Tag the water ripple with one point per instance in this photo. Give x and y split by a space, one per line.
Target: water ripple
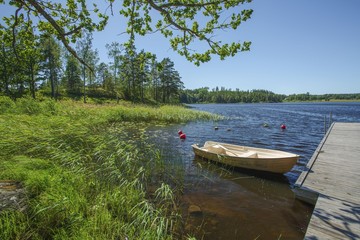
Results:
240 198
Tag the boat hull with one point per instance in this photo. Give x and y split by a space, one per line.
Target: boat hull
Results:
265 160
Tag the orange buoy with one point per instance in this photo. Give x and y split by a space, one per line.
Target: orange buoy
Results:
283 126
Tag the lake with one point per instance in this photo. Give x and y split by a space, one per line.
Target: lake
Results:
237 204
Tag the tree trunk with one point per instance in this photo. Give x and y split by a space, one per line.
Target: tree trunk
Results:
84 75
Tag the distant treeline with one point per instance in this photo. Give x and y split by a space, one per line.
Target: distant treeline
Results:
323 97
223 95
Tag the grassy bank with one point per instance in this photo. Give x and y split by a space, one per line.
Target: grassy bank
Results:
81 180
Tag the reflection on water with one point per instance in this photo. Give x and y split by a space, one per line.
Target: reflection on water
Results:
220 203
239 205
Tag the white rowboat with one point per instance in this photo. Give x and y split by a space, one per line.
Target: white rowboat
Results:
260 159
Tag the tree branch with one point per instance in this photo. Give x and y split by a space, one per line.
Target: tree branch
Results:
184 29
60 31
13 31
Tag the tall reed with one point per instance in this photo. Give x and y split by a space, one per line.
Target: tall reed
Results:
82 180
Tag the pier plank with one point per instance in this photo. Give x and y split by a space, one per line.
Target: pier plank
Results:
333 174
334 219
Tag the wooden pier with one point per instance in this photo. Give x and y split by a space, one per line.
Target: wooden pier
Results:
332 183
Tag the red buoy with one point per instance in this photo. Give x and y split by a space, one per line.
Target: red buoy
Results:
180 132
283 126
182 136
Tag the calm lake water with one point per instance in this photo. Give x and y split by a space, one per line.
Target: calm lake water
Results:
239 204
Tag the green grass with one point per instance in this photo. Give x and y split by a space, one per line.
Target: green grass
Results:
84 177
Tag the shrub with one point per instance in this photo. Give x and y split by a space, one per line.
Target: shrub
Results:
6 104
28 106
50 107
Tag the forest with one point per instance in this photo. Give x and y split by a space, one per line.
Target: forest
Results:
39 64
54 56
34 62
223 95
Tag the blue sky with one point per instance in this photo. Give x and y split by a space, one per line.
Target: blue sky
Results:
297 47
